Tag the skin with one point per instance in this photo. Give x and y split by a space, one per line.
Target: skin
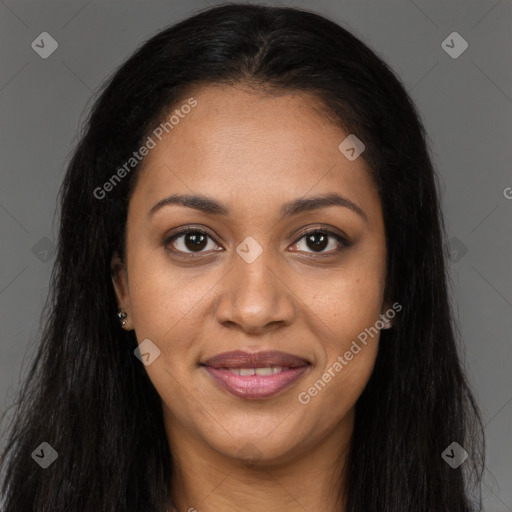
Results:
253 152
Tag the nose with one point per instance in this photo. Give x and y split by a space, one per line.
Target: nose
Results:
255 297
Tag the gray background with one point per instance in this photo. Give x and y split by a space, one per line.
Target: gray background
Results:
466 105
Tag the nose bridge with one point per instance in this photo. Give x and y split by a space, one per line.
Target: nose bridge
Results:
253 295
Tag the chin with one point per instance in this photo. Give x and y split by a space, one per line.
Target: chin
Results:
257 448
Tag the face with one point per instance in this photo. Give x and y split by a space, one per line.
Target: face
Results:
250 274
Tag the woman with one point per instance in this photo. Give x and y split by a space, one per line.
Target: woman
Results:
249 306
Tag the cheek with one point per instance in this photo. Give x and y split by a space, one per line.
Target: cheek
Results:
347 300
346 317
336 390
345 309
162 296
350 316
166 305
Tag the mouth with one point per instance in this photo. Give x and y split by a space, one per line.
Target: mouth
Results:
255 375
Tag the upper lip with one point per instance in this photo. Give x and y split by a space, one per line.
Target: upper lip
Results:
241 359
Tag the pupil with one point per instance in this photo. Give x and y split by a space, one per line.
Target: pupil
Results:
321 244
198 241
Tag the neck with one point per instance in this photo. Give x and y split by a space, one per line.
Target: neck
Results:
205 480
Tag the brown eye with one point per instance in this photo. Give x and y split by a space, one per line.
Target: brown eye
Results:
189 241
318 240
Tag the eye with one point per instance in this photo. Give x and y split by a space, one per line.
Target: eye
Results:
193 240
189 241
319 239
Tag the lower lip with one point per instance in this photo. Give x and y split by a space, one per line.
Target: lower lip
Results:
255 386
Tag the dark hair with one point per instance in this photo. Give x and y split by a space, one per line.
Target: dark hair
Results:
86 393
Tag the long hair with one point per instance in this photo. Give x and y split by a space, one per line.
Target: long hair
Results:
86 394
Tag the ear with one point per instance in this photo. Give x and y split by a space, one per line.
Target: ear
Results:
120 282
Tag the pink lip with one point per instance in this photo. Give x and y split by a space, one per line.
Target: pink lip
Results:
255 386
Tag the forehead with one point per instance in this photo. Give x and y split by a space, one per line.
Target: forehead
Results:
240 144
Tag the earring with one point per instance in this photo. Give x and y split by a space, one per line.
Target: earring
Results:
121 315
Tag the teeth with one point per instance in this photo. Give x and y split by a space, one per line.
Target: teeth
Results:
263 371
257 371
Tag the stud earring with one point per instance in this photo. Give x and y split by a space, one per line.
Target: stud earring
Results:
121 315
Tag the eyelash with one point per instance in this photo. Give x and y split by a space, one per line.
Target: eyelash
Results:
185 231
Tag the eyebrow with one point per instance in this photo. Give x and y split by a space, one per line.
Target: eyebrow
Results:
211 206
